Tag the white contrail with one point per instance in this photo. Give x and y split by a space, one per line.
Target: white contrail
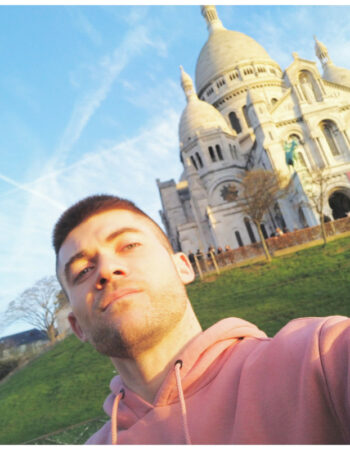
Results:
31 191
132 44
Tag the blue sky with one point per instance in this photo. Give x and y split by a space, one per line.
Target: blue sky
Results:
90 102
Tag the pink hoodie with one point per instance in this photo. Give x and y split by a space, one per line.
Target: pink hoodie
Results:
241 387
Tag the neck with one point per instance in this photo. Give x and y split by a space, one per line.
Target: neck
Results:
146 372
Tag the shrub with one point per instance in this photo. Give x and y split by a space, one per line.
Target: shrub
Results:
7 366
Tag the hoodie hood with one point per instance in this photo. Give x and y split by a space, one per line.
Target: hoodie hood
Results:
209 348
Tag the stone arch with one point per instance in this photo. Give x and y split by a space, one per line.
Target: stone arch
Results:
250 231
238 237
309 86
333 136
302 218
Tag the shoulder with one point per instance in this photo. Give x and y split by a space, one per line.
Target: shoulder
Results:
101 436
304 341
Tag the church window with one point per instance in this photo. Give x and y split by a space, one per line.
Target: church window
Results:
212 154
220 83
246 116
332 134
270 134
250 231
194 162
302 217
239 239
273 71
218 152
273 101
199 159
235 123
233 151
233 75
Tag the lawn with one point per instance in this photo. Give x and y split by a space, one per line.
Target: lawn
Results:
68 384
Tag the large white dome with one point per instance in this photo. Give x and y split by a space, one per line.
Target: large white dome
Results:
223 50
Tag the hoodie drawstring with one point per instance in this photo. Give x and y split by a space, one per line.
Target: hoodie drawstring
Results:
114 424
178 366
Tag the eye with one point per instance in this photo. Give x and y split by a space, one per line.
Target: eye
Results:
82 273
131 246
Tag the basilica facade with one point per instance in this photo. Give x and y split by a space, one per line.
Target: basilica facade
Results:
240 116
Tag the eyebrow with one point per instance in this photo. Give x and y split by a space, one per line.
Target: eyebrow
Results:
117 233
84 254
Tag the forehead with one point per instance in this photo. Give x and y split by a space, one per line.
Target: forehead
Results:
98 227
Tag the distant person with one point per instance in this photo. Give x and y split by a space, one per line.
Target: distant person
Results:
191 257
199 254
279 232
229 256
219 250
229 384
211 250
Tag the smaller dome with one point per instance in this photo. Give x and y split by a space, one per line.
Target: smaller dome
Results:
331 72
198 114
337 75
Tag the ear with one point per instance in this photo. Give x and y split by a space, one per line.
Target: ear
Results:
184 268
76 327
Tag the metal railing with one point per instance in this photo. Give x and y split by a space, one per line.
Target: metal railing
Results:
212 262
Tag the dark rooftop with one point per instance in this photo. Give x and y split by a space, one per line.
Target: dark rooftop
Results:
25 337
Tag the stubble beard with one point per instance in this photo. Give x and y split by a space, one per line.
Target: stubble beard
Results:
167 310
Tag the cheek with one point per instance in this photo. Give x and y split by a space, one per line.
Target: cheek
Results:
81 302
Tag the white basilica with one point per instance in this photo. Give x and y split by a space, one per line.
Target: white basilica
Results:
242 111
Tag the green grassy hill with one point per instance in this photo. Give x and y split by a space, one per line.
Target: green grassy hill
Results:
68 384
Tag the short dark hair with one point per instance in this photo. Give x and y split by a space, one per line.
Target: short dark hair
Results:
91 206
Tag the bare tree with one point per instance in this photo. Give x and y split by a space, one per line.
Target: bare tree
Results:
315 187
36 306
260 190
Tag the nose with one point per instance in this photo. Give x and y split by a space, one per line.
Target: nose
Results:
110 268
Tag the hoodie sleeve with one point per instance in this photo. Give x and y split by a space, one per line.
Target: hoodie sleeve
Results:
334 347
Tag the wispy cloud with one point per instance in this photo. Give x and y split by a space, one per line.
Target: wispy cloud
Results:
108 68
30 191
85 26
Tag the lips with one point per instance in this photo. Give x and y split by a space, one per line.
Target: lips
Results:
115 296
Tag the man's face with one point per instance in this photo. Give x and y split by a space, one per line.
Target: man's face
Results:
126 289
